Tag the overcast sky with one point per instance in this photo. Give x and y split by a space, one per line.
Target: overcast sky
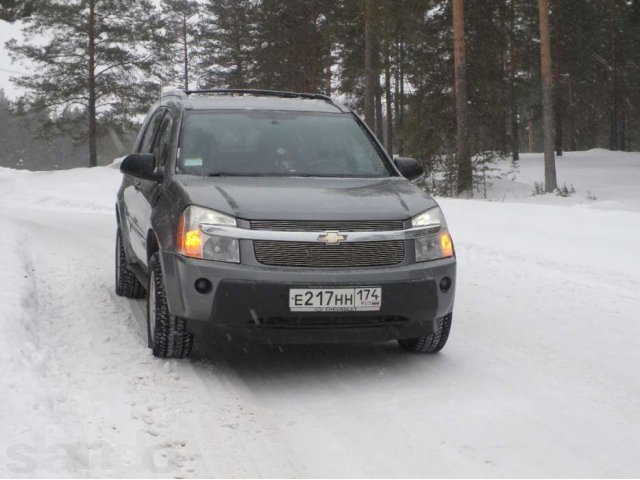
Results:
8 31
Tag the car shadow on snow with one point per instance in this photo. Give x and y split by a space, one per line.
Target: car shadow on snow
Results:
300 367
220 353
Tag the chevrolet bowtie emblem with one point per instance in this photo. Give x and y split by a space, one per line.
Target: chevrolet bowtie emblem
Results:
332 238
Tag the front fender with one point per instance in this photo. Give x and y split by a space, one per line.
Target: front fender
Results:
164 223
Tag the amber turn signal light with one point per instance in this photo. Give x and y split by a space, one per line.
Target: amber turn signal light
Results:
190 241
446 244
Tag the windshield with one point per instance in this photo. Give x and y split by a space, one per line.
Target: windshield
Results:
276 143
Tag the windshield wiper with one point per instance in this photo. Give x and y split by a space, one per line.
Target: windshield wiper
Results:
231 174
224 174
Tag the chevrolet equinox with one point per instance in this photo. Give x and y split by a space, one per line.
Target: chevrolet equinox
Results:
279 216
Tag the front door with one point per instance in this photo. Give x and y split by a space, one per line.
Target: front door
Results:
137 191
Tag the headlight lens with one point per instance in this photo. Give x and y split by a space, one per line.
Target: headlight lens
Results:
436 246
194 243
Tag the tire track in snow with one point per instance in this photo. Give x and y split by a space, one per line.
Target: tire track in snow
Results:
98 365
126 411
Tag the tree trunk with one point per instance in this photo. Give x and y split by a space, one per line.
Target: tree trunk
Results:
379 116
504 90
463 157
369 72
400 129
396 106
614 104
513 94
93 129
550 181
623 127
314 56
388 99
559 144
185 52
303 55
573 142
557 77
327 78
239 74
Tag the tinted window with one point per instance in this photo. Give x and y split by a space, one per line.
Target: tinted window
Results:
277 143
149 134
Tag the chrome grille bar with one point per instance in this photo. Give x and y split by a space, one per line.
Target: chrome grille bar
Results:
316 237
324 225
325 244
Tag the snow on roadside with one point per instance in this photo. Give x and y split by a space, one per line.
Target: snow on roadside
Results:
27 410
79 189
602 179
579 238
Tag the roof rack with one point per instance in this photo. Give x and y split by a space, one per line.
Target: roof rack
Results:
268 93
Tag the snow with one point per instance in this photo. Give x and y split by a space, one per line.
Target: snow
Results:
612 178
76 190
540 376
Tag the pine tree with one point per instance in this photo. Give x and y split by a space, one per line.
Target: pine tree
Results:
12 10
92 60
292 44
227 43
348 41
424 116
176 42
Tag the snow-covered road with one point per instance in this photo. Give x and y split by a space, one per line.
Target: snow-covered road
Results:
541 376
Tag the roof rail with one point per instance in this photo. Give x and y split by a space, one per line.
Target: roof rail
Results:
173 92
268 93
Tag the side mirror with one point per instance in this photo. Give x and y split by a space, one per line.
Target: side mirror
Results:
410 168
141 165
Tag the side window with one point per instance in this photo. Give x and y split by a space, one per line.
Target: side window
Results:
150 132
162 144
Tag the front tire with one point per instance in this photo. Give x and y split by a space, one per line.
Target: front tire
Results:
432 343
168 335
127 285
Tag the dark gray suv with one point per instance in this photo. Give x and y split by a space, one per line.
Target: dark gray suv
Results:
278 216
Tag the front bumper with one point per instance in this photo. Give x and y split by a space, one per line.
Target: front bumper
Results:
253 300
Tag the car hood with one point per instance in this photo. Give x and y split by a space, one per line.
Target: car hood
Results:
300 198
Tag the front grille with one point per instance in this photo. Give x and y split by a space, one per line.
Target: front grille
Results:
311 254
319 255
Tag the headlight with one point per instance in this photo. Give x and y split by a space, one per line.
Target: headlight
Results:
438 245
194 243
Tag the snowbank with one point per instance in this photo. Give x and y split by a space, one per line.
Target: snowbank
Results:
602 179
28 402
79 189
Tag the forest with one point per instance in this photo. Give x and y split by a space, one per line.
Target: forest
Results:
105 61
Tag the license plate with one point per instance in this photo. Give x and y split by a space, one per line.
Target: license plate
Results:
356 299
